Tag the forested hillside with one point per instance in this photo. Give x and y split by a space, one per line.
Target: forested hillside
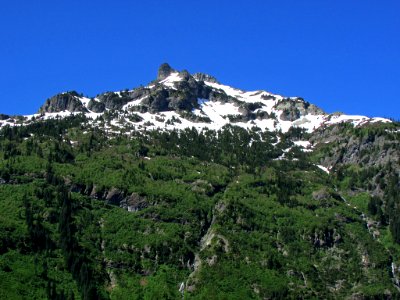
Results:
93 213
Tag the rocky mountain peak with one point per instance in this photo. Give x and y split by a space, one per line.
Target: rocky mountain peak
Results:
164 71
179 99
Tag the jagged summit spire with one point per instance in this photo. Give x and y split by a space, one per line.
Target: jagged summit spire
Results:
164 71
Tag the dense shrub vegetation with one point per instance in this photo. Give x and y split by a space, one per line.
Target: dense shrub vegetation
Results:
233 214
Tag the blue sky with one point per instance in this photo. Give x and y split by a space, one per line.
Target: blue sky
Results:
341 55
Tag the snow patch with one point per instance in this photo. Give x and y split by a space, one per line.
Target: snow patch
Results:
323 168
133 103
171 79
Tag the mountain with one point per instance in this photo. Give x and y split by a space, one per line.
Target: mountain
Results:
190 188
180 100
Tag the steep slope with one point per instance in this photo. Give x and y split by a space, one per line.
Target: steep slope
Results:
94 214
188 186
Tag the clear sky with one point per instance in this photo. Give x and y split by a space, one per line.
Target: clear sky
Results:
342 55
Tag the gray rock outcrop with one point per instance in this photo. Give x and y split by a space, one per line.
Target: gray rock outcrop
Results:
96 106
114 100
134 202
164 71
63 102
205 77
295 108
114 196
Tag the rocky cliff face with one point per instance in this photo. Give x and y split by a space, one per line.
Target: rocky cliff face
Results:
293 109
63 102
369 149
164 71
96 106
371 153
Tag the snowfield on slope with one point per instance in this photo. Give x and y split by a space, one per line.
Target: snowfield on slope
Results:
219 113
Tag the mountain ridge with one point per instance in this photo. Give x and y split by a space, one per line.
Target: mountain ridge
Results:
178 99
